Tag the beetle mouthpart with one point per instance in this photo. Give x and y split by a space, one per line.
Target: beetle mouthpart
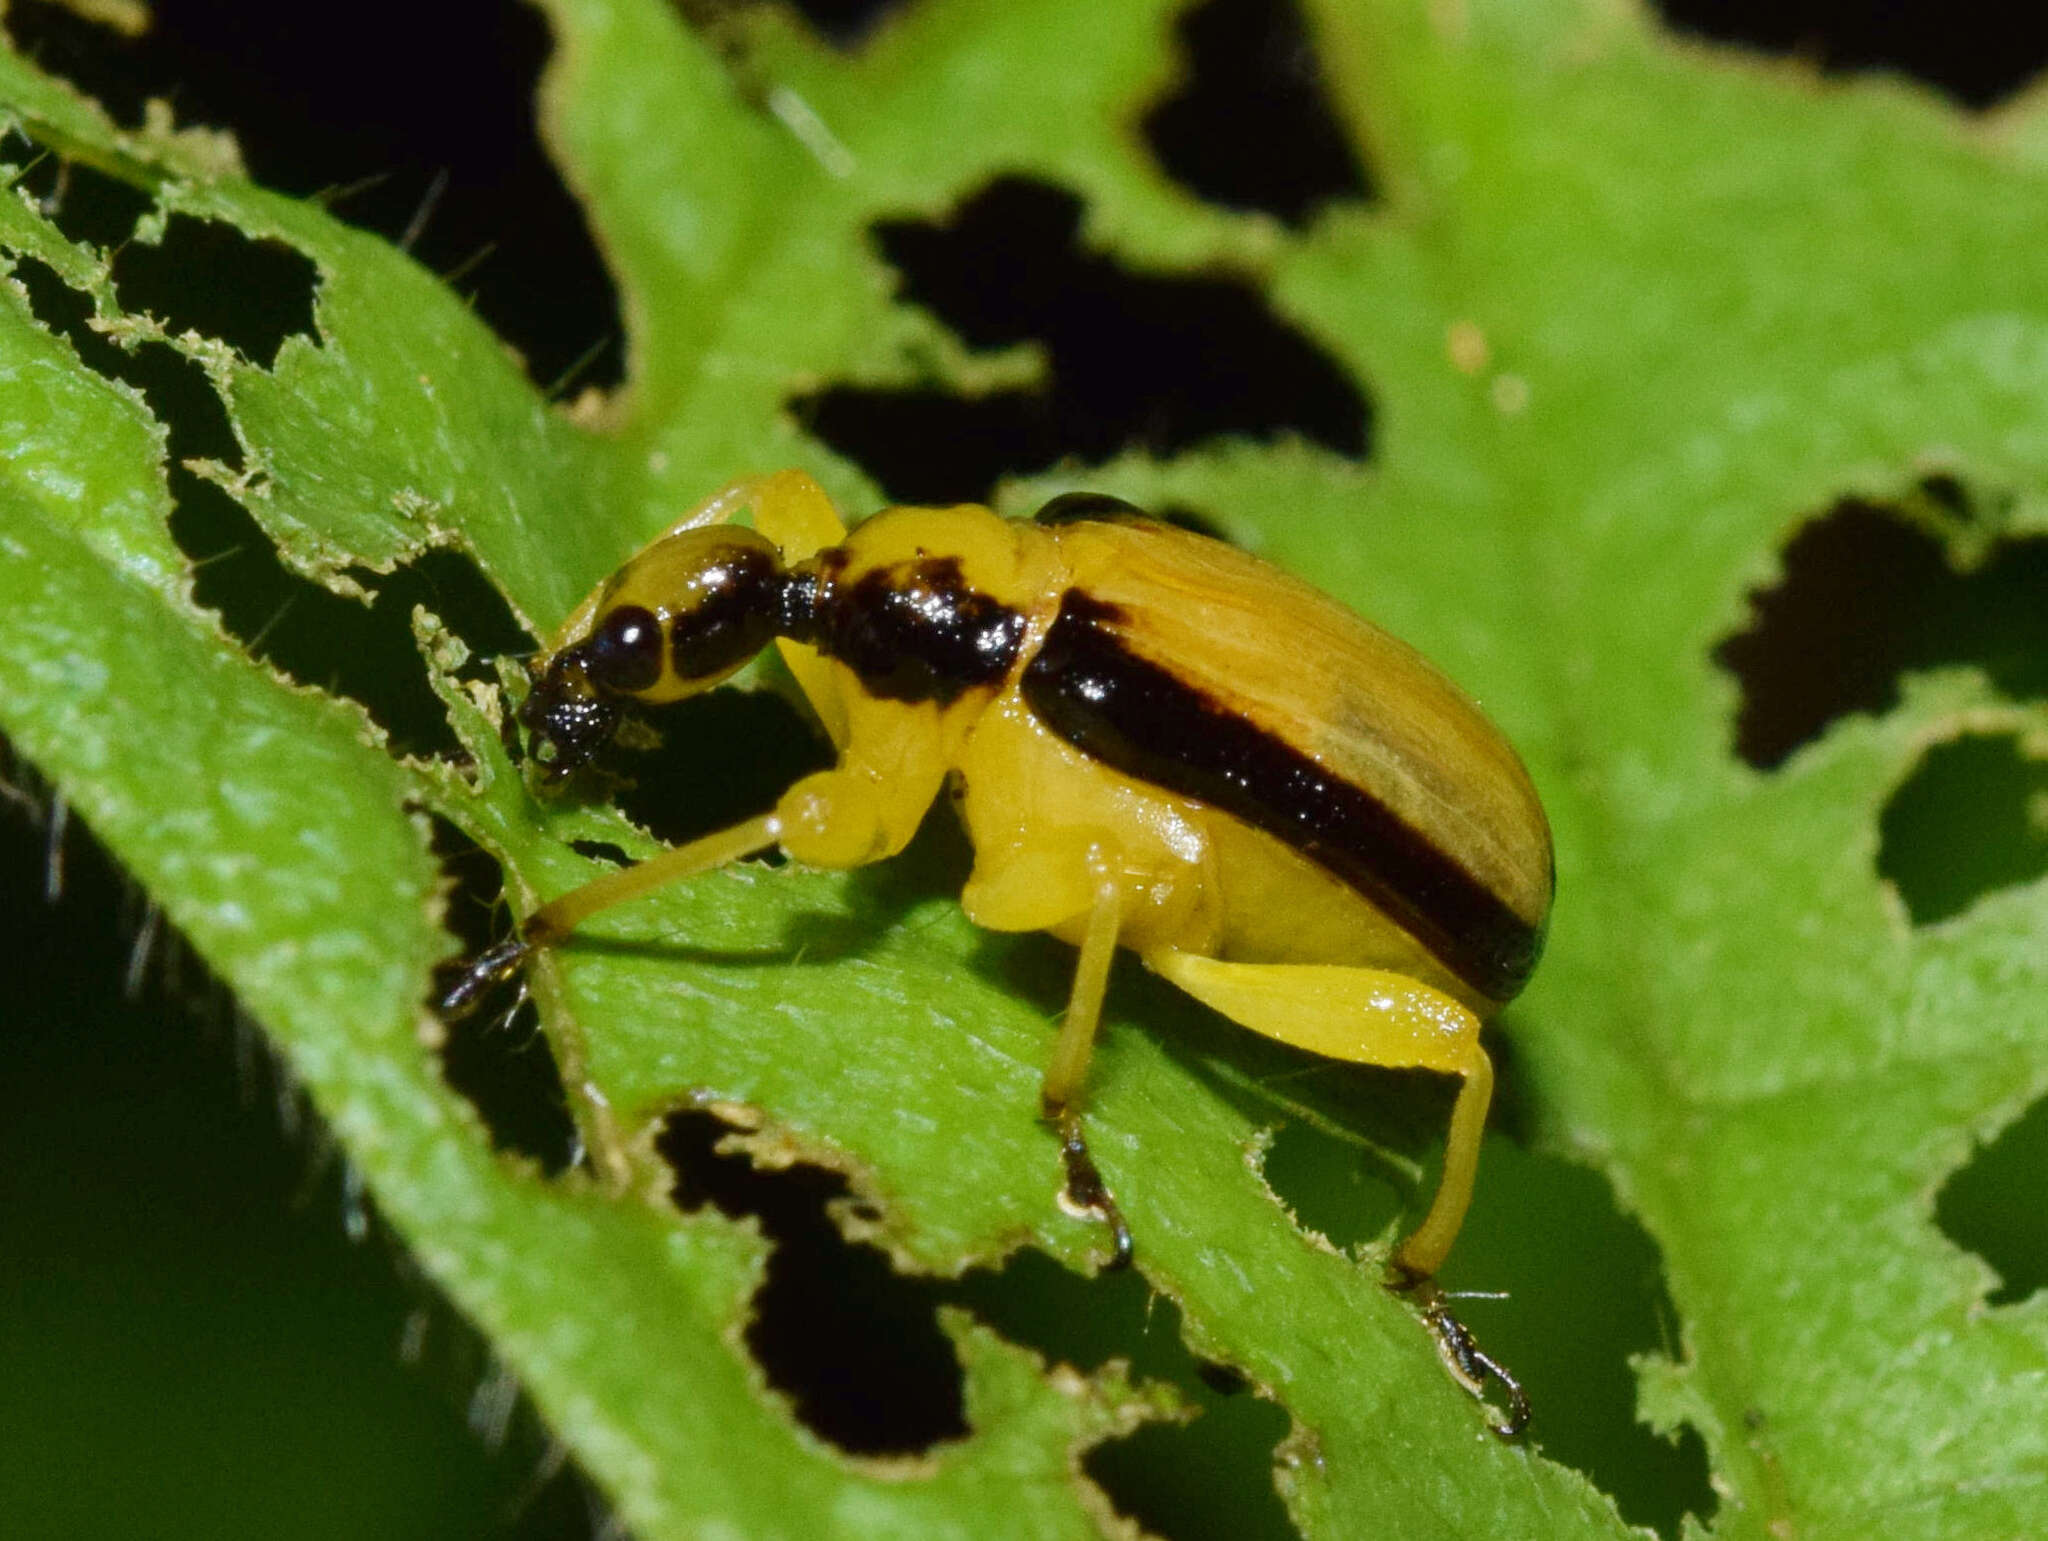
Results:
568 717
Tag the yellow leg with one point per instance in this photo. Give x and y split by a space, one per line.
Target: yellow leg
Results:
1069 1066
556 919
1369 1017
868 807
793 511
1085 1192
789 508
836 818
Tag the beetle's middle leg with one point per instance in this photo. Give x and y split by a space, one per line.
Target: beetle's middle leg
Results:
1068 1070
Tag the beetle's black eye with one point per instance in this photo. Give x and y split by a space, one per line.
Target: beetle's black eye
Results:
624 654
733 603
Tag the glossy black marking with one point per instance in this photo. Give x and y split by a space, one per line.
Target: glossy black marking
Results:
1137 717
624 653
568 718
1085 507
914 631
729 612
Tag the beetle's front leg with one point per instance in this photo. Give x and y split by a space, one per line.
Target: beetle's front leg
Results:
857 813
866 808
558 917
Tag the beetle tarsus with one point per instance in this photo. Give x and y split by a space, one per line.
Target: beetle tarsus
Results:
1086 1193
485 973
1470 1365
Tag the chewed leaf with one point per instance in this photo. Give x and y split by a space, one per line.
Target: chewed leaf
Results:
1687 414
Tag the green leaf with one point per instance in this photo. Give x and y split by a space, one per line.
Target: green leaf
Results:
1628 315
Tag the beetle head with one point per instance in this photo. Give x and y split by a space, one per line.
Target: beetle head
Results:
677 619
573 710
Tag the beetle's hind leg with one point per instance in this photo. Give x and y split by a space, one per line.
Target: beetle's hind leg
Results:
1374 1017
1369 1017
1085 1192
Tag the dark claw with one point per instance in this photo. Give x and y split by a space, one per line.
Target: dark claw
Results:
1088 1193
1470 1364
485 972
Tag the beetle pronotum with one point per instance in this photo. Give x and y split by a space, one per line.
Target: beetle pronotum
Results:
1155 741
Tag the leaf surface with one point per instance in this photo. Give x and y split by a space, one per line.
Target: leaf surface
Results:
1626 315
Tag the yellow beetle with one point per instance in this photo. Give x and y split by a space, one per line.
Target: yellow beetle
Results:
1155 742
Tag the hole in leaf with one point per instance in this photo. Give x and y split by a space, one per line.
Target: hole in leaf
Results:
1152 361
320 638
846 24
87 206
175 388
418 124
330 641
1978 51
1251 126
499 1060
857 1348
1330 1186
852 1344
1212 1476
206 276
601 850
1868 593
1585 1287
1992 1206
1971 819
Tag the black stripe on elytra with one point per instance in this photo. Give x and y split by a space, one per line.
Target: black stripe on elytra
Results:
912 631
1138 718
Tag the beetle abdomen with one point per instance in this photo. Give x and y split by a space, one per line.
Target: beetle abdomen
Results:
1207 673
